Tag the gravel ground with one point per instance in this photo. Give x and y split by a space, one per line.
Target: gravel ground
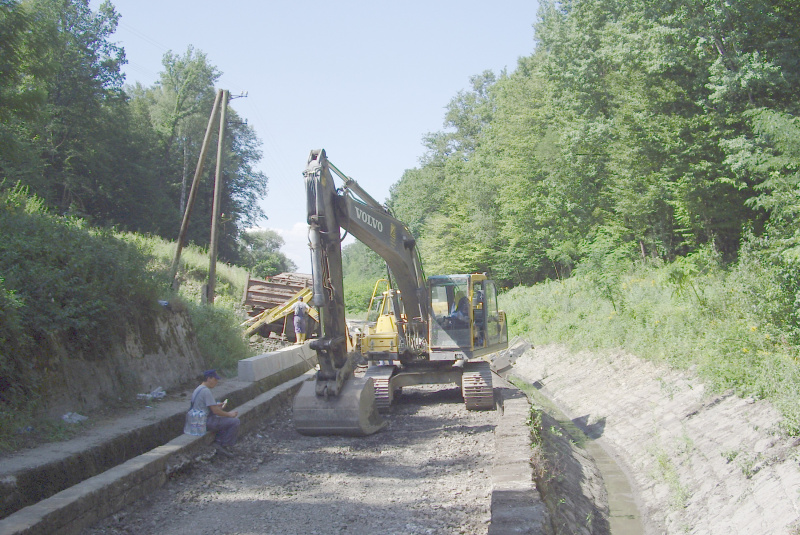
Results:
428 472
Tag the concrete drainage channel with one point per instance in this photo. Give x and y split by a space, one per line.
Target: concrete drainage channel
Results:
91 491
587 491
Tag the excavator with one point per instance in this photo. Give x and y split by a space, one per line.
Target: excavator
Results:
438 330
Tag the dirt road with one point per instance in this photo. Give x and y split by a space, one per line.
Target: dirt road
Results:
428 472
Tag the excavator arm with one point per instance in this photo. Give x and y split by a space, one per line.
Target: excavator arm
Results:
445 347
339 403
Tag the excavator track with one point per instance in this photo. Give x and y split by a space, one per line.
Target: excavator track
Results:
381 375
476 386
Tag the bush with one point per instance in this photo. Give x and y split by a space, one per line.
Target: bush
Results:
62 283
219 336
733 325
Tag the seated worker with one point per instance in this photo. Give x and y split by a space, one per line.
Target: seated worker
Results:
460 315
226 424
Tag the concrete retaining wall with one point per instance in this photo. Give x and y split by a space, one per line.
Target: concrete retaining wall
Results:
517 506
269 364
80 506
49 497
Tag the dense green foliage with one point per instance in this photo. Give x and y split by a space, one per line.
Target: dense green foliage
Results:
362 269
649 128
729 325
259 253
217 328
62 282
643 165
114 155
66 286
83 157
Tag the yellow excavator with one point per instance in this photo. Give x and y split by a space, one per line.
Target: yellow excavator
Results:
439 330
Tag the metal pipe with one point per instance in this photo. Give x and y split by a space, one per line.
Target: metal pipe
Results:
318 299
349 183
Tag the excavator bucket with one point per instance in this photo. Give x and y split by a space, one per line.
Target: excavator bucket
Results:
353 412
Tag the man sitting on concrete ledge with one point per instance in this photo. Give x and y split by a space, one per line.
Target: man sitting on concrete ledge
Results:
226 424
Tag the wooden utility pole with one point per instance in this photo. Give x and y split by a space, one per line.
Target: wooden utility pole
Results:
218 185
193 193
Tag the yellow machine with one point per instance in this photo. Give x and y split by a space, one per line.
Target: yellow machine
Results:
437 330
381 334
474 330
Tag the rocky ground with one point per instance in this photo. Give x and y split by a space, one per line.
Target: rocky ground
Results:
428 472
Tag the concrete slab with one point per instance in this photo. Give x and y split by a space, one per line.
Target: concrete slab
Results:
261 366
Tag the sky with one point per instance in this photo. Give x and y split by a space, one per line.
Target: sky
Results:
364 80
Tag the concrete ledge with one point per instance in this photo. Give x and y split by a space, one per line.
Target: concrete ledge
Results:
262 366
28 480
80 506
516 506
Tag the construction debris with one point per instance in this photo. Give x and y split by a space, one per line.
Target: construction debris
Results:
270 303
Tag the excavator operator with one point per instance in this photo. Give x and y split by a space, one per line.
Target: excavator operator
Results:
460 314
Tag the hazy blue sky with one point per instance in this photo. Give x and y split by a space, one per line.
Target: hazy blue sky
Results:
365 80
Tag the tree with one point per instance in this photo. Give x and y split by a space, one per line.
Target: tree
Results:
113 156
66 74
362 268
21 94
774 153
181 102
85 80
259 252
178 109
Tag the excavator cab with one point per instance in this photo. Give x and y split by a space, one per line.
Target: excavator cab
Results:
465 320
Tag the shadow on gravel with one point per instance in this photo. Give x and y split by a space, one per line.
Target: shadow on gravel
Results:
414 398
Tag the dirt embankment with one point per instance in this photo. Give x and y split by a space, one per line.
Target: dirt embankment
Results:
699 463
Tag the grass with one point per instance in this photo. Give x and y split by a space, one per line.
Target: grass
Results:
731 325
64 284
219 336
665 471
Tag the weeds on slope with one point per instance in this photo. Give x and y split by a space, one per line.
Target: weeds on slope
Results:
64 284
735 326
219 336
